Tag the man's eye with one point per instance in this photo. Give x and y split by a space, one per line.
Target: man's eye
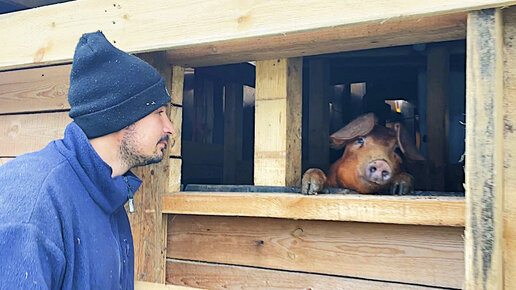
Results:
360 141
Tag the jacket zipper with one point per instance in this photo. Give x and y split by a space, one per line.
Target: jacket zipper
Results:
130 195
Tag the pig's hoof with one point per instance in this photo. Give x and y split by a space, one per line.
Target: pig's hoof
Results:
402 184
313 181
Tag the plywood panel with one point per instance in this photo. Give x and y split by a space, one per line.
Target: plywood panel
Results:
449 211
416 254
37 89
176 116
52 33
484 168
211 276
21 134
277 143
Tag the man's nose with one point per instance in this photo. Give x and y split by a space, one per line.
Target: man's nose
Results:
168 127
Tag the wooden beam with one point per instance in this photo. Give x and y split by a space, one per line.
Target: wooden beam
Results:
233 117
216 276
148 225
23 133
32 90
484 151
277 155
509 183
423 255
203 106
283 29
319 114
438 75
411 210
141 285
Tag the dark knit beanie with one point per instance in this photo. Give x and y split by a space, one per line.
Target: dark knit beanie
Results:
110 89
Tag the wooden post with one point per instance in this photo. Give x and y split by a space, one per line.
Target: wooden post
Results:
509 118
233 119
277 154
203 106
484 151
438 72
148 224
319 114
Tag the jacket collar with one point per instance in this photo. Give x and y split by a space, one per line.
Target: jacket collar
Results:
95 174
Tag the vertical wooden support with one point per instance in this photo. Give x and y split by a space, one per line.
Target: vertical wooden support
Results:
319 114
484 151
233 120
218 112
147 223
203 106
509 118
438 74
277 154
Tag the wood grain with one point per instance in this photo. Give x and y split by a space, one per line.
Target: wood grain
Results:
51 35
141 285
484 151
277 152
212 276
233 116
415 254
21 134
509 119
37 89
448 211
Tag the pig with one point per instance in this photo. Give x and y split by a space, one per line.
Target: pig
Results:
372 160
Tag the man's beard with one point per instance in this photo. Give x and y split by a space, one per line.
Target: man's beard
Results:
130 155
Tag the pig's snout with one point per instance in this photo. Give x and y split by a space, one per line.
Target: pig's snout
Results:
378 171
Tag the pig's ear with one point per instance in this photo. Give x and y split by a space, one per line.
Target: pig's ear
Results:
361 126
406 145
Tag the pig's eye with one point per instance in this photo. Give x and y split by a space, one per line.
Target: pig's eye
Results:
360 141
398 151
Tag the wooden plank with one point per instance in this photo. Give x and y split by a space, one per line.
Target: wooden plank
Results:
178 80
211 276
38 89
141 285
448 211
203 106
319 114
438 75
56 29
176 116
147 223
21 134
174 177
278 99
509 183
199 153
233 117
484 151
424 255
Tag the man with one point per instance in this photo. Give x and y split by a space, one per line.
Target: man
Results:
62 219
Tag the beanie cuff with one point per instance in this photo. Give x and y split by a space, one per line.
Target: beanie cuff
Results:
115 118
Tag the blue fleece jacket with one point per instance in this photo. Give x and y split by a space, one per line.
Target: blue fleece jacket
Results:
62 219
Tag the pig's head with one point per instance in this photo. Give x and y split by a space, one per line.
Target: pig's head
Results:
373 154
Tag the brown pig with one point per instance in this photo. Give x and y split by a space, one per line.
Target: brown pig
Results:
371 162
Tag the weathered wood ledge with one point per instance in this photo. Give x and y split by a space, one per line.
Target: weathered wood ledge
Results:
414 210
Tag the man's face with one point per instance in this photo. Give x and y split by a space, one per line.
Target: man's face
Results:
145 141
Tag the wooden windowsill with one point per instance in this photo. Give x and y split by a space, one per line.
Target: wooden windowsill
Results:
414 210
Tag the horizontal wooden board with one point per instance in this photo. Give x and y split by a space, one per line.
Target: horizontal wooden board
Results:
211 276
53 31
38 89
141 285
21 134
424 255
421 210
